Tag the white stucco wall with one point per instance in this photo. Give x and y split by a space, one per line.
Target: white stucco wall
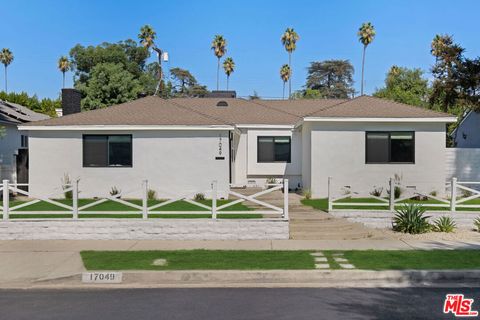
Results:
338 151
468 132
246 167
173 162
463 164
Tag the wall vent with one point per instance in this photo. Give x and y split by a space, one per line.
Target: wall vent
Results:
222 103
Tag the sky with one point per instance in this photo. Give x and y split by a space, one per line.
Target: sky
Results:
39 32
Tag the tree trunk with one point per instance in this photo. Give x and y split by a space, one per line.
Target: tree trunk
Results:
290 78
158 90
63 79
283 92
363 68
6 88
228 79
218 69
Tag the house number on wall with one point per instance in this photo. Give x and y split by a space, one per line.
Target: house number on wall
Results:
220 157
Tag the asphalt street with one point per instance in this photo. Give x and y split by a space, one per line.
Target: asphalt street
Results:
229 304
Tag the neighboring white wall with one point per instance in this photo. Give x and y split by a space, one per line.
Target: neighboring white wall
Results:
338 151
306 155
248 169
468 132
174 162
9 144
463 163
134 229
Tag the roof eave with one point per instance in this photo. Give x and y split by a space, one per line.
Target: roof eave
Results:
380 119
122 127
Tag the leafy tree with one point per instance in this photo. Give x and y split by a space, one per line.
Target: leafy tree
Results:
468 75
406 86
331 78
285 73
184 84
6 58
147 38
229 67
307 94
448 60
289 41
46 106
366 34
219 47
109 84
63 66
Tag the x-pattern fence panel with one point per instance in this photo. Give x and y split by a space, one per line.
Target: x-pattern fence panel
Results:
144 206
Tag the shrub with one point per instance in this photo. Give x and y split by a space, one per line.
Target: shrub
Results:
444 224
151 194
115 191
307 194
434 193
410 219
199 197
377 192
67 183
476 223
397 190
270 180
466 193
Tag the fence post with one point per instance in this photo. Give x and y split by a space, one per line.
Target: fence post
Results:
214 199
145 199
329 194
391 202
453 195
285 199
6 200
75 199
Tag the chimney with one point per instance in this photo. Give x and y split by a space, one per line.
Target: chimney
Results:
221 94
71 99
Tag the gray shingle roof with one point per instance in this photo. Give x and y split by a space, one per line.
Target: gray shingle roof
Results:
15 113
204 111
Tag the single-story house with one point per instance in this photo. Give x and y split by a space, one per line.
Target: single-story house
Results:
14 144
467 133
181 145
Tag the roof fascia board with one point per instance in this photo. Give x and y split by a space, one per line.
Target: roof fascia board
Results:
351 119
265 126
122 127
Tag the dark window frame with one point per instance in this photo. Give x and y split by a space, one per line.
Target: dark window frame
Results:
275 161
108 150
389 147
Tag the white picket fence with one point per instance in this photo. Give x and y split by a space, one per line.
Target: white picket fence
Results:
452 202
271 211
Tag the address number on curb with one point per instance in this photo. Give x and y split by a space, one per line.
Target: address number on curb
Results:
102 277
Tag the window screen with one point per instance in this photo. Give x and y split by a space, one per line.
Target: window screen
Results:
105 150
390 147
273 149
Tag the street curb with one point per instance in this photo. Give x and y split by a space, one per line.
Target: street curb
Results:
272 278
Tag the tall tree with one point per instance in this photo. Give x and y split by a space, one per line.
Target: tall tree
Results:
63 66
406 86
219 47
448 61
147 38
332 78
285 73
289 41
185 85
229 67
6 57
366 34
468 76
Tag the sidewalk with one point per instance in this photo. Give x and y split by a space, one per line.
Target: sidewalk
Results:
23 262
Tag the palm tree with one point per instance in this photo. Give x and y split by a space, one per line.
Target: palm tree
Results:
229 67
285 73
6 57
147 38
289 41
219 47
63 66
366 33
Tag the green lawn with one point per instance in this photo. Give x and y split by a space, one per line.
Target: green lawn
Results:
115 206
198 260
414 259
322 204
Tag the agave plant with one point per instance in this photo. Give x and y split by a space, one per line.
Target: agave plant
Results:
411 219
444 224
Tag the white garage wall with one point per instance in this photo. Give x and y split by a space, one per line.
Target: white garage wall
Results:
338 150
174 162
463 163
